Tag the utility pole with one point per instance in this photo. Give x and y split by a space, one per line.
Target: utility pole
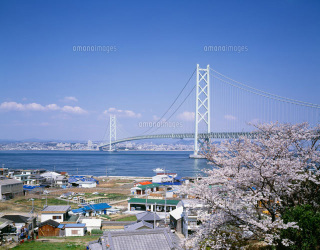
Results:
154 216
146 199
32 210
165 206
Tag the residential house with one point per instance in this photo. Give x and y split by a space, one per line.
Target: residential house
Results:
50 178
87 184
9 188
75 229
28 171
22 177
113 211
35 179
6 227
61 181
83 181
143 189
4 171
158 205
92 210
142 183
21 222
92 224
50 175
56 213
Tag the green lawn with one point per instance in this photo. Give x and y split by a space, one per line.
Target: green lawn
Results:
36 245
77 242
112 196
128 218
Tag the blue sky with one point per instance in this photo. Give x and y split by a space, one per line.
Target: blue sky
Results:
157 46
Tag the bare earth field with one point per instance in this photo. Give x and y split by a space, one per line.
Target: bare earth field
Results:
113 189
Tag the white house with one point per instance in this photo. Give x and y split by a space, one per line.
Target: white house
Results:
92 224
161 178
22 177
75 229
56 213
61 181
50 175
87 184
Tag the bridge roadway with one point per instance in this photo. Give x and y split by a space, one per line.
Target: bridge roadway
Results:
214 135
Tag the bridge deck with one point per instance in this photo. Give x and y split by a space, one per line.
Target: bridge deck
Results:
214 135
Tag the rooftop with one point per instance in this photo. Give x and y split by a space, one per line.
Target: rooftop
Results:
78 225
93 207
147 216
55 209
153 201
16 218
144 187
177 213
144 239
51 223
137 225
9 181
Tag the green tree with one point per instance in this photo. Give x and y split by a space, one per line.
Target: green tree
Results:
308 234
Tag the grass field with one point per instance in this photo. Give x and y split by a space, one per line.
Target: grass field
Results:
36 245
39 203
58 243
128 218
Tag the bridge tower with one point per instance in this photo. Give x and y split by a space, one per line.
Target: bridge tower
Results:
202 114
113 132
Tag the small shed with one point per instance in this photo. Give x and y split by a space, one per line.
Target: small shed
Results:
176 219
75 229
49 228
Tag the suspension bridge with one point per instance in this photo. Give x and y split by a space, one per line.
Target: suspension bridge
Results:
231 106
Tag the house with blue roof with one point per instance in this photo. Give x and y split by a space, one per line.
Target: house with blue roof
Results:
92 209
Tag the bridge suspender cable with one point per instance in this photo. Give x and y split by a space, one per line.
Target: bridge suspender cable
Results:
270 97
173 102
263 93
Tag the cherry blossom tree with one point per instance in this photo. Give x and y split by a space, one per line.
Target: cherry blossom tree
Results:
251 182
